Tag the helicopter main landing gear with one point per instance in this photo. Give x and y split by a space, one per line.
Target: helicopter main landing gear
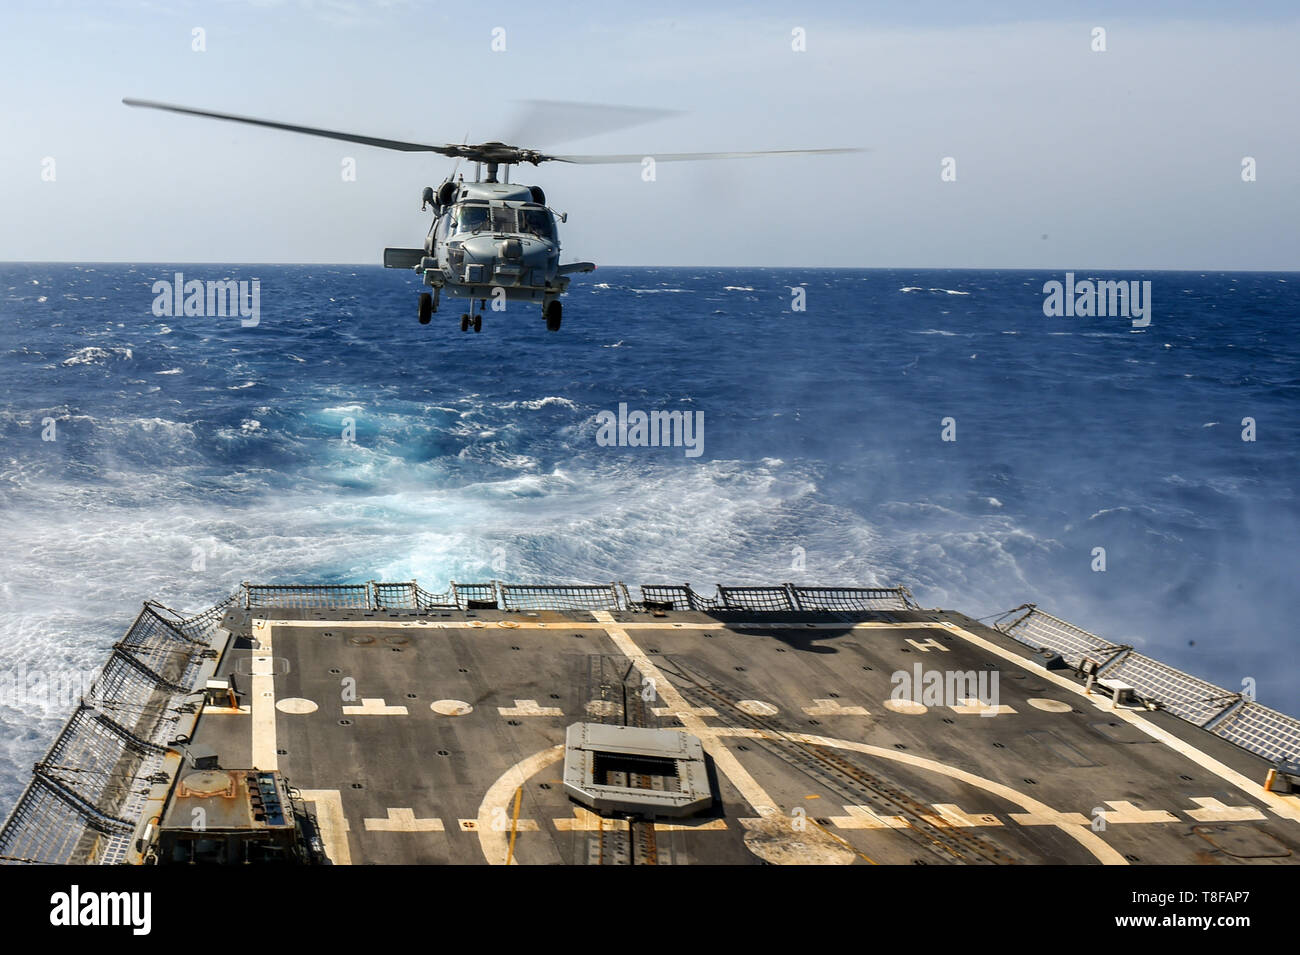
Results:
554 312
426 308
472 320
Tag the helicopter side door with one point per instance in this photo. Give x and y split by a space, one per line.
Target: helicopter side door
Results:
440 232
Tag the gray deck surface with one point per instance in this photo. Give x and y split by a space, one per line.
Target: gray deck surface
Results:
419 786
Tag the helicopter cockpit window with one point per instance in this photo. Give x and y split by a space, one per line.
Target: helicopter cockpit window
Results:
478 217
472 218
536 222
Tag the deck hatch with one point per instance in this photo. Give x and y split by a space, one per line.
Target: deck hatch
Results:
631 769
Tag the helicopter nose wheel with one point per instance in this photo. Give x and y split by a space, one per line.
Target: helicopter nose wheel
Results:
554 314
464 323
478 323
426 308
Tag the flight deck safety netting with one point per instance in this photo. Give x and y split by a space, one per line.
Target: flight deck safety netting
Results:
676 597
1230 715
468 596
403 596
779 598
88 790
1261 730
309 596
1042 630
408 595
561 597
853 599
762 599
1182 694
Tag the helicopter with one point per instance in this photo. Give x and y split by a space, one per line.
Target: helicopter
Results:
490 238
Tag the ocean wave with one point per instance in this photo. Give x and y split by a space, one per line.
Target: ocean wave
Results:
536 404
169 429
94 355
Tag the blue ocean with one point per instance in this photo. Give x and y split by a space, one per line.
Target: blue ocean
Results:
172 457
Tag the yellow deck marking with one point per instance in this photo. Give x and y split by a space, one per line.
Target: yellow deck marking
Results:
1286 806
529 708
331 823
905 707
713 825
949 815
973 707
690 710
586 625
403 820
514 825
928 644
844 842
1123 811
451 707
1212 810
584 820
1050 817
373 707
723 758
296 705
522 825
864 817
493 841
1050 706
262 701
834 708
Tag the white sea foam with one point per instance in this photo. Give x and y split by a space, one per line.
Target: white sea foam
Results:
536 404
93 355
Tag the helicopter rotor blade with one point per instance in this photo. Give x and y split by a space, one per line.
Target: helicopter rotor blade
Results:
456 165
690 157
395 144
548 122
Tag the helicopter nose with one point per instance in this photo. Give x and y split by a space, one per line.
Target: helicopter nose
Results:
523 250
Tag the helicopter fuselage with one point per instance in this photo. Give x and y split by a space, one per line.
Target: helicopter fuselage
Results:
490 242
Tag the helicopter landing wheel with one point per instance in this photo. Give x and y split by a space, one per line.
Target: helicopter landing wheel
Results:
464 323
478 323
554 315
426 308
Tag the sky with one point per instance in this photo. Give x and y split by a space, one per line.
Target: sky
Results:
1064 157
